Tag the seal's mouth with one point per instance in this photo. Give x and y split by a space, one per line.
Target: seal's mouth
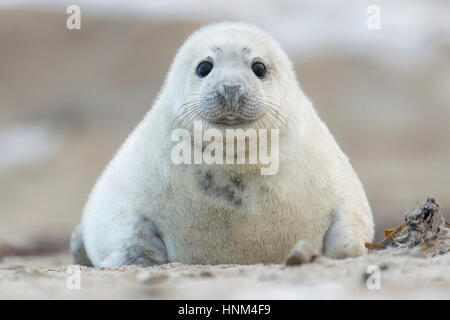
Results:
230 119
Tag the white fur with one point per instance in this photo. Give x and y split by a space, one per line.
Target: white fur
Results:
315 195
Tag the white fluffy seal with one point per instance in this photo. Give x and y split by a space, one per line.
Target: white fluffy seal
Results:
146 210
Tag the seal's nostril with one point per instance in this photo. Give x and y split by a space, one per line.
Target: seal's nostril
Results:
231 88
231 93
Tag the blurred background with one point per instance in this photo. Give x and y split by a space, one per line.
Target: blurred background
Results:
69 98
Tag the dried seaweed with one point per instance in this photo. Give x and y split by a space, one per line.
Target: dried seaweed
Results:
424 230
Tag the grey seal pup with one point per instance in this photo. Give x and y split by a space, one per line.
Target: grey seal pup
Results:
147 210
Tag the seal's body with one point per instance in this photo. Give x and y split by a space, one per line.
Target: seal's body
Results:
147 210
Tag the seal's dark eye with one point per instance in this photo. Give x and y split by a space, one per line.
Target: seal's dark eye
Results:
204 68
259 69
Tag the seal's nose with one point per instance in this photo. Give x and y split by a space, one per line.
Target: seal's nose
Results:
231 93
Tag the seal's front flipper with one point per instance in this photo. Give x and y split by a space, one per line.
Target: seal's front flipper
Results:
77 248
144 248
302 253
346 235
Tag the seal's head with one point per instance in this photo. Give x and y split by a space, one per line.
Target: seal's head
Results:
230 74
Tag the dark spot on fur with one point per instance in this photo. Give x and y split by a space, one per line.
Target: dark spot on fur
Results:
207 182
144 235
228 192
237 182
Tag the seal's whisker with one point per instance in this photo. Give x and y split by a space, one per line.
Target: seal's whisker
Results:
275 121
182 117
272 104
190 106
182 122
259 123
267 96
192 119
189 103
266 118
268 101
187 119
265 123
187 109
271 109
275 110
273 113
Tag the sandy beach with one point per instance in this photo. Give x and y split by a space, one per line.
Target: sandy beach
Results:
402 277
70 98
